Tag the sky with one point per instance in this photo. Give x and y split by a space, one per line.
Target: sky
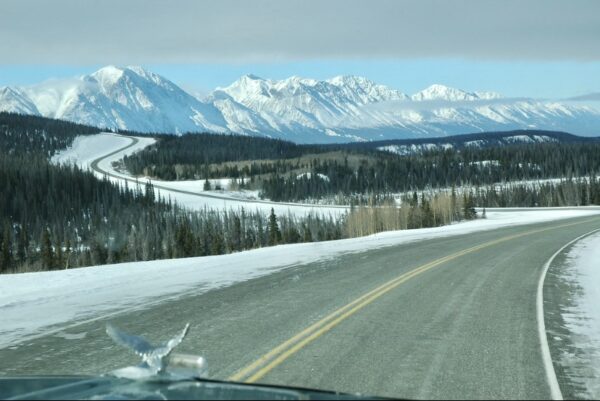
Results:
534 48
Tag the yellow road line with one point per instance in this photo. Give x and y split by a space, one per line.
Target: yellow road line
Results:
263 365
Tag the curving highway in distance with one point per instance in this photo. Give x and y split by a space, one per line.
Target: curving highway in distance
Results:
96 166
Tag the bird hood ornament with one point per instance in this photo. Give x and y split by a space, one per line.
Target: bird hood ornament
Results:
155 359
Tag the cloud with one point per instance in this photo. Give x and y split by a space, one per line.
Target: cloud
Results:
595 97
428 105
243 31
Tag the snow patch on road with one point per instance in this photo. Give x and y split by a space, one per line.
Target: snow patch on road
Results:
33 304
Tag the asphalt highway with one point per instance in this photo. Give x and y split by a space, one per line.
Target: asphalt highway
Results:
444 318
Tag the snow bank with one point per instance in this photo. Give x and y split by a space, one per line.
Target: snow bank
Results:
34 304
86 149
583 319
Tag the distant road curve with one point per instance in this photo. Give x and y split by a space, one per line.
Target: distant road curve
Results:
95 165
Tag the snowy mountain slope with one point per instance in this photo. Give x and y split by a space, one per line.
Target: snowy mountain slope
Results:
297 102
479 141
341 109
442 92
126 98
353 108
15 101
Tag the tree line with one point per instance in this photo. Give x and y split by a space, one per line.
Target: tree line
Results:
437 169
275 166
25 134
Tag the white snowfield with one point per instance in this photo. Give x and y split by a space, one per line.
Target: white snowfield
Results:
35 304
583 318
86 149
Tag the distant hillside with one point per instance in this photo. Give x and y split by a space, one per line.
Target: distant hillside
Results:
478 140
33 134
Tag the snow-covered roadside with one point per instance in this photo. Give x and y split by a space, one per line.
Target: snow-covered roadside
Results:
86 149
38 303
583 317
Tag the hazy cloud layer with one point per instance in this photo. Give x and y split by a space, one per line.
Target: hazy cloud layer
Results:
149 31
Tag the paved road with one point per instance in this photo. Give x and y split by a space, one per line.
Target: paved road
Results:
95 165
444 318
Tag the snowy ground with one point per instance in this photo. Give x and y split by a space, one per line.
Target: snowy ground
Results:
583 317
34 304
86 149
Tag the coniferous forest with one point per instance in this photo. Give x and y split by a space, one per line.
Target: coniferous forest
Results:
57 217
283 171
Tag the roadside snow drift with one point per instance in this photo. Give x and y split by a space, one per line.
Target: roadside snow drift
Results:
583 318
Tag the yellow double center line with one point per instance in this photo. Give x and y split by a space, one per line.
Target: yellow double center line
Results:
263 365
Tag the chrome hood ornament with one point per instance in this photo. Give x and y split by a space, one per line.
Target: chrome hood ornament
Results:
156 359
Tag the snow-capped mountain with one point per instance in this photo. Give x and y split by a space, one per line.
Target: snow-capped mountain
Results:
15 101
340 109
126 98
296 104
441 92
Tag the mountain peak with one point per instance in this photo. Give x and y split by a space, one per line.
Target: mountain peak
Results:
443 92
15 101
110 73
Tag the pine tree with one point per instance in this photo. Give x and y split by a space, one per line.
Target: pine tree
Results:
274 232
47 251
59 261
236 235
426 213
307 235
217 244
207 186
22 245
149 191
469 212
6 261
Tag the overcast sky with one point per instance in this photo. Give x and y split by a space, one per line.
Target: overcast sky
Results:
79 33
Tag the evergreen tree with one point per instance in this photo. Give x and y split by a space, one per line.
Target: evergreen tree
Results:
217 244
274 232
426 213
236 235
469 212
47 251
6 262
307 235
22 245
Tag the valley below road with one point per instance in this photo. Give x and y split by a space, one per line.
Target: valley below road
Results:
455 316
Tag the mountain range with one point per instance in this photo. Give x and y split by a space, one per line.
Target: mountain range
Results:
341 109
